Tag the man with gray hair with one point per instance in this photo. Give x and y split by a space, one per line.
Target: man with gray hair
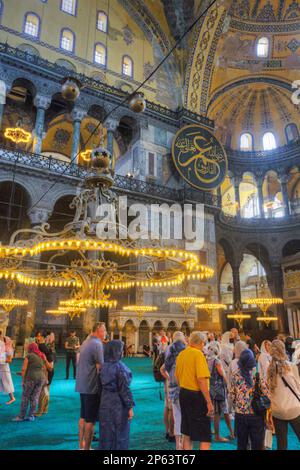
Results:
87 384
168 372
193 376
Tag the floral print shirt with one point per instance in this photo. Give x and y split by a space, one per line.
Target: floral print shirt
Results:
241 396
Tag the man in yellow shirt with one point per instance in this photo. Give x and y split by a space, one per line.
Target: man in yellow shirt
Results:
192 375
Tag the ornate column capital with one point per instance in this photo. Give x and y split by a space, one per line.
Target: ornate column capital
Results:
42 102
78 114
39 215
111 124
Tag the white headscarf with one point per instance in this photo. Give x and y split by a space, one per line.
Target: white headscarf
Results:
239 347
226 350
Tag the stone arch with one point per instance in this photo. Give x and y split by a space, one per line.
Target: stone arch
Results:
185 328
14 204
292 247
61 213
144 333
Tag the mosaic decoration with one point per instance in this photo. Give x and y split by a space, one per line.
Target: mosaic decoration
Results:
266 118
148 68
61 138
293 45
128 35
293 12
199 157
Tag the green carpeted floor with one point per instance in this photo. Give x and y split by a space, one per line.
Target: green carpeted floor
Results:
58 430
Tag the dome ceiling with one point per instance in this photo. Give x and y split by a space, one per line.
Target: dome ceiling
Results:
256 108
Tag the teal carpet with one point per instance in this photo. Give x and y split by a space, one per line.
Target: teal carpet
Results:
58 430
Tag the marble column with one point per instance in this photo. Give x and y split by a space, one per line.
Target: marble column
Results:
1 113
275 280
150 339
136 341
78 115
219 196
237 297
42 103
285 196
37 216
236 184
260 196
111 126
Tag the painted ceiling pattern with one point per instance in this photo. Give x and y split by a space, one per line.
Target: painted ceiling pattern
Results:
255 109
266 11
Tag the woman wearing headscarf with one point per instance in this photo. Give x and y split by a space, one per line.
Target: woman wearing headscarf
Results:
248 424
6 355
116 406
218 390
226 351
33 380
296 358
264 358
239 347
285 394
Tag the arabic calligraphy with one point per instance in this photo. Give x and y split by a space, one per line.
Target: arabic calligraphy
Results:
199 157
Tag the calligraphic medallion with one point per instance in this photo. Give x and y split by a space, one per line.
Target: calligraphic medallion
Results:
199 157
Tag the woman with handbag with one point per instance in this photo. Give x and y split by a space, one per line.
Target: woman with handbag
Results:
6 355
285 394
250 396
218 390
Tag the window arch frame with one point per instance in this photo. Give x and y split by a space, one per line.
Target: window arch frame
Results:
286 132
105 57
61 38
126 56
257 46
67 12
97 21
275 141
32 13
252 142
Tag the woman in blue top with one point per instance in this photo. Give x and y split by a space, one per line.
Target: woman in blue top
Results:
116 406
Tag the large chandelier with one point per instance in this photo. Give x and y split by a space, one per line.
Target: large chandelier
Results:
140 310
9 302
186 302
70 311
238 315
209 308
97 266
264 303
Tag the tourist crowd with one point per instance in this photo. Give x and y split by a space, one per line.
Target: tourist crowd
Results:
205 376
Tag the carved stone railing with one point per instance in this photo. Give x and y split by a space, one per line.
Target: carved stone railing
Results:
258 223
282 154
28 160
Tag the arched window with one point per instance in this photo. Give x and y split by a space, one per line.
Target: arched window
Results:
102 21
69 6
100 54
263 46
32 25
246 142
127 66
67 40
292 133
269 141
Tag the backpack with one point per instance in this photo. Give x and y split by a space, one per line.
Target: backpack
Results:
158 363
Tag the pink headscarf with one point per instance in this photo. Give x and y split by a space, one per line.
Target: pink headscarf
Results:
33 348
